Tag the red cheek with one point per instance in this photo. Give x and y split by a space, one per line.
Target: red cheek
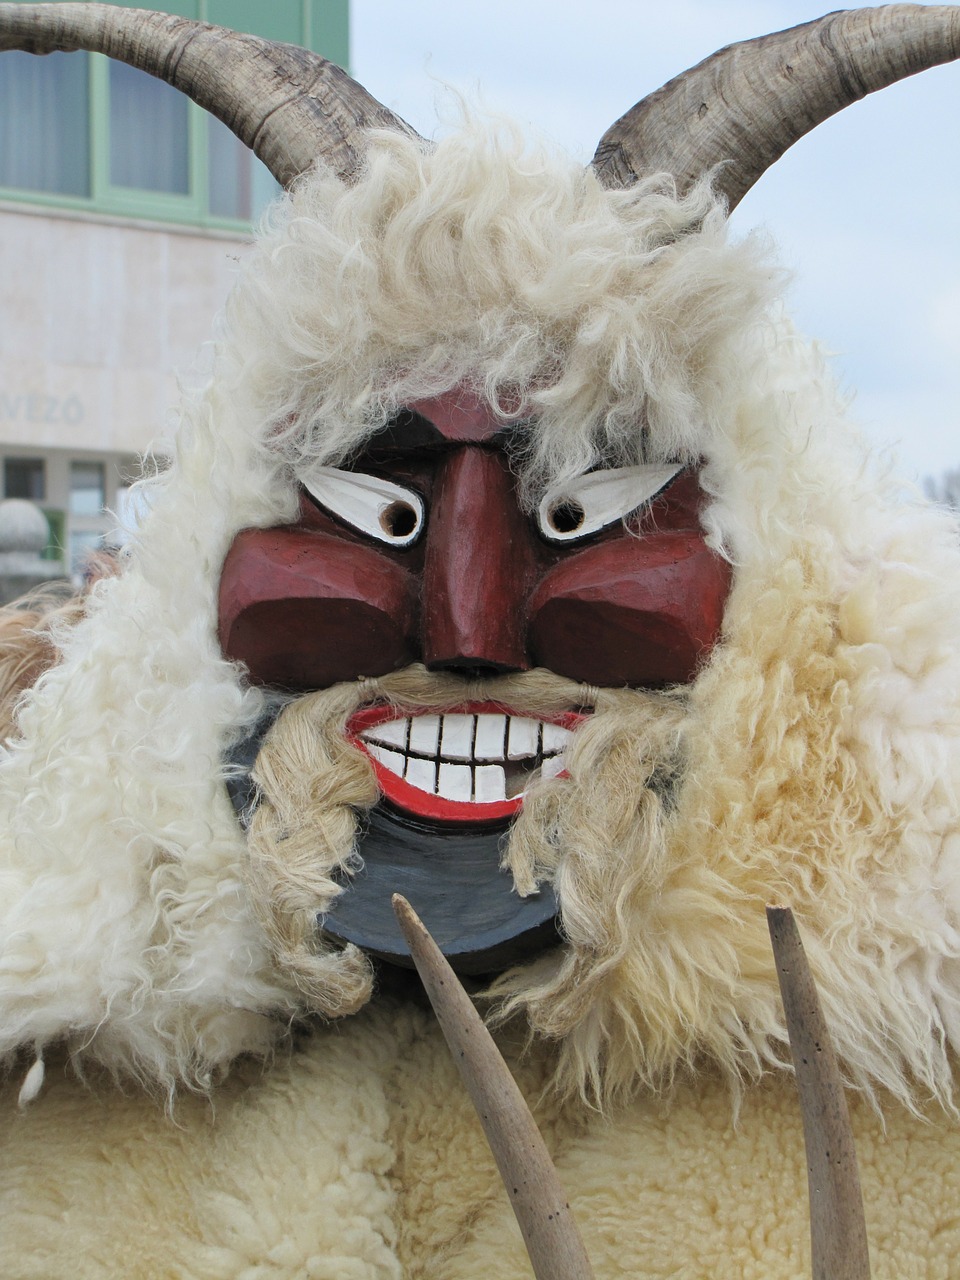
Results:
630 611
304 610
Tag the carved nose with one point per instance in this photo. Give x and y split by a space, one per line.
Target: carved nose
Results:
479 568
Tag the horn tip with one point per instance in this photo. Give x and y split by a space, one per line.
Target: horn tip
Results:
411 926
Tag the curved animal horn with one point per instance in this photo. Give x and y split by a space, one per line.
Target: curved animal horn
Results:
290 106
744 106
536 1196
838 1231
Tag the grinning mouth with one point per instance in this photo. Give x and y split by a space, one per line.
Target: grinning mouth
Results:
470 763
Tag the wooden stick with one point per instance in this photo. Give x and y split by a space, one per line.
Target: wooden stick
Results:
549 1231
838 1233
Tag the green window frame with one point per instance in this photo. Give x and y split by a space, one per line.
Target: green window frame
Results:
320 25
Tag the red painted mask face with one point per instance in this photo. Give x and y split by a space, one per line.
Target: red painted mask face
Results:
420 552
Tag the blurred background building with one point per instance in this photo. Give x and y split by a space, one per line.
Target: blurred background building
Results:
123 209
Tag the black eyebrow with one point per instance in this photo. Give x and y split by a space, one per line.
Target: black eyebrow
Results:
512 435
408 432
404 432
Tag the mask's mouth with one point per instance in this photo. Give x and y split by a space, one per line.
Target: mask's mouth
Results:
453 760
471 763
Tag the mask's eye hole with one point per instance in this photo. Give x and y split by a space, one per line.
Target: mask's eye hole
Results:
384 510
399 520
598 499
565 517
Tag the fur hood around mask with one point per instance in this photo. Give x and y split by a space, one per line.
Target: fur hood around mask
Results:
815 754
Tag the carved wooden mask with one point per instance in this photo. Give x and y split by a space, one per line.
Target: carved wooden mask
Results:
421 552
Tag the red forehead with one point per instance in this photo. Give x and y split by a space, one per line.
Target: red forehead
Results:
459 415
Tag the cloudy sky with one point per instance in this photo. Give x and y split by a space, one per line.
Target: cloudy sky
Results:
865 210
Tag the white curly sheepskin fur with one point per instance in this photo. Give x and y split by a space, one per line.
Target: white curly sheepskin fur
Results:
359 1157
818 745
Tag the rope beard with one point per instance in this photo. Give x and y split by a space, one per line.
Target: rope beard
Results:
313 785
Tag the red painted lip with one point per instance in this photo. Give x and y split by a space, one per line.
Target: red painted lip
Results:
430 805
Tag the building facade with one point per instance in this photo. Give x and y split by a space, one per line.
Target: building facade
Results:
124 210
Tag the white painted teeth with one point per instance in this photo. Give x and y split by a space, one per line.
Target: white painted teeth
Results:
455 781
523 738
489 737
394 733
424 735
481 758
421 773
552 765
457 740
490 784
555 738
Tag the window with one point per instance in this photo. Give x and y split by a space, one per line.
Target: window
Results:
24 478
141 106
90 132
81 131
87 488
238 189
44 123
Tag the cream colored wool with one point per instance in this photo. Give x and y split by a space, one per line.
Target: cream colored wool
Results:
358 1157
814 758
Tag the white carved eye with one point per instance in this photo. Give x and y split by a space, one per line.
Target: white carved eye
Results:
380 508
599 498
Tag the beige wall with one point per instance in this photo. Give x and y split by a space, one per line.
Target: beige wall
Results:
94 319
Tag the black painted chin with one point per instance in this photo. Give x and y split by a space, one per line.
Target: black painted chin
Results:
450 876
452 879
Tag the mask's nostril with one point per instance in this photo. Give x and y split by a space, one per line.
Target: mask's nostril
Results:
472 669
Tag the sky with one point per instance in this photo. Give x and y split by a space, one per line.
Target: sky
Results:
865 211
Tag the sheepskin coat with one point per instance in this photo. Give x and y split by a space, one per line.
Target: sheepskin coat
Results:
357 1156
814 761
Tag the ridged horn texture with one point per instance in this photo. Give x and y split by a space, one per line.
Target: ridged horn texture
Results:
838 1231
744 106
536 1196
290 106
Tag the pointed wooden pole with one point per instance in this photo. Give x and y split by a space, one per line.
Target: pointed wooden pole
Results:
549 1231
838 1233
